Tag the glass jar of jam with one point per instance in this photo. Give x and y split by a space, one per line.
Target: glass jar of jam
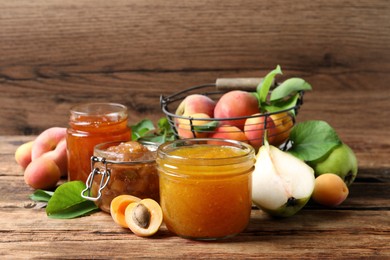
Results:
92 124
122 168
205 188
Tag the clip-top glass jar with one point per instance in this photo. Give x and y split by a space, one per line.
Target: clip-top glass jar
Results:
92 124
205 187
119 168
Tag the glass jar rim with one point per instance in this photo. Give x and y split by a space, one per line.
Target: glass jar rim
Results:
163 149
98 109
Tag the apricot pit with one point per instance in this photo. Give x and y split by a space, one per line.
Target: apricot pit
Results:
118 206
144 218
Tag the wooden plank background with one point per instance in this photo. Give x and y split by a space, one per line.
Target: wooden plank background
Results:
54 54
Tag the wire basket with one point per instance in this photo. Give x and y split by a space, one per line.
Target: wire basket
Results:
249 129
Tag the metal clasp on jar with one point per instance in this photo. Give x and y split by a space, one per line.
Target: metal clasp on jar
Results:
106 174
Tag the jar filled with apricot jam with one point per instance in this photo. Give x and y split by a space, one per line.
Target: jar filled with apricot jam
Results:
205 187
119 168
89 125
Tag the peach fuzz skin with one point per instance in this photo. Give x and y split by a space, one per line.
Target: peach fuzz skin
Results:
39 157
329 190
236 103
47 141
59 156
194 104
42 173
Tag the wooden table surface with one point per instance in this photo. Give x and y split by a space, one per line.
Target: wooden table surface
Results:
359 228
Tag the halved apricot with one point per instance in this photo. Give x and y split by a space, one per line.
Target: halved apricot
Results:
118 206
144 218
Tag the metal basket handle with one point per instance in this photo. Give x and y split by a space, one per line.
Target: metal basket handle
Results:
247 84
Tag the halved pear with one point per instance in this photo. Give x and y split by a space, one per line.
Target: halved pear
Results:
282 183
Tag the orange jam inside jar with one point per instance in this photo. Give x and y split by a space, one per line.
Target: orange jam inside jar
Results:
205 189
92 124
123 168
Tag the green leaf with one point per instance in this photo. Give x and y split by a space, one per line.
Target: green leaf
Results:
210 126
283 104
158 138
67 202
77 210
312 139
264 86
146 131
41 195
163 125
141 129
288 87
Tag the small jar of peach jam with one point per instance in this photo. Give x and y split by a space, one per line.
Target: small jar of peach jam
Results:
119 168
91 124
205 187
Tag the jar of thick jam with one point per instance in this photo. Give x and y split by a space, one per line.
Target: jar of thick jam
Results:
205 188
92 124
119 168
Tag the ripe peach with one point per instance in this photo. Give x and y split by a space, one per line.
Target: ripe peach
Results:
184 126
42 173
330 190
228 132
254 130
59 156
196 103
283 123
47 141
23 154
236 103
52 143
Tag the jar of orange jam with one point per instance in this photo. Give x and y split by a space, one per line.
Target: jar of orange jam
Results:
92 124
205 189
119 168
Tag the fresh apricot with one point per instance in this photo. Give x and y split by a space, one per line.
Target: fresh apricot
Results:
330 190
144 218
23 154
184 126
42 173
118 206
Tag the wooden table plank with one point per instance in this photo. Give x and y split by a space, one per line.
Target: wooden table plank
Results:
333 233
357 229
